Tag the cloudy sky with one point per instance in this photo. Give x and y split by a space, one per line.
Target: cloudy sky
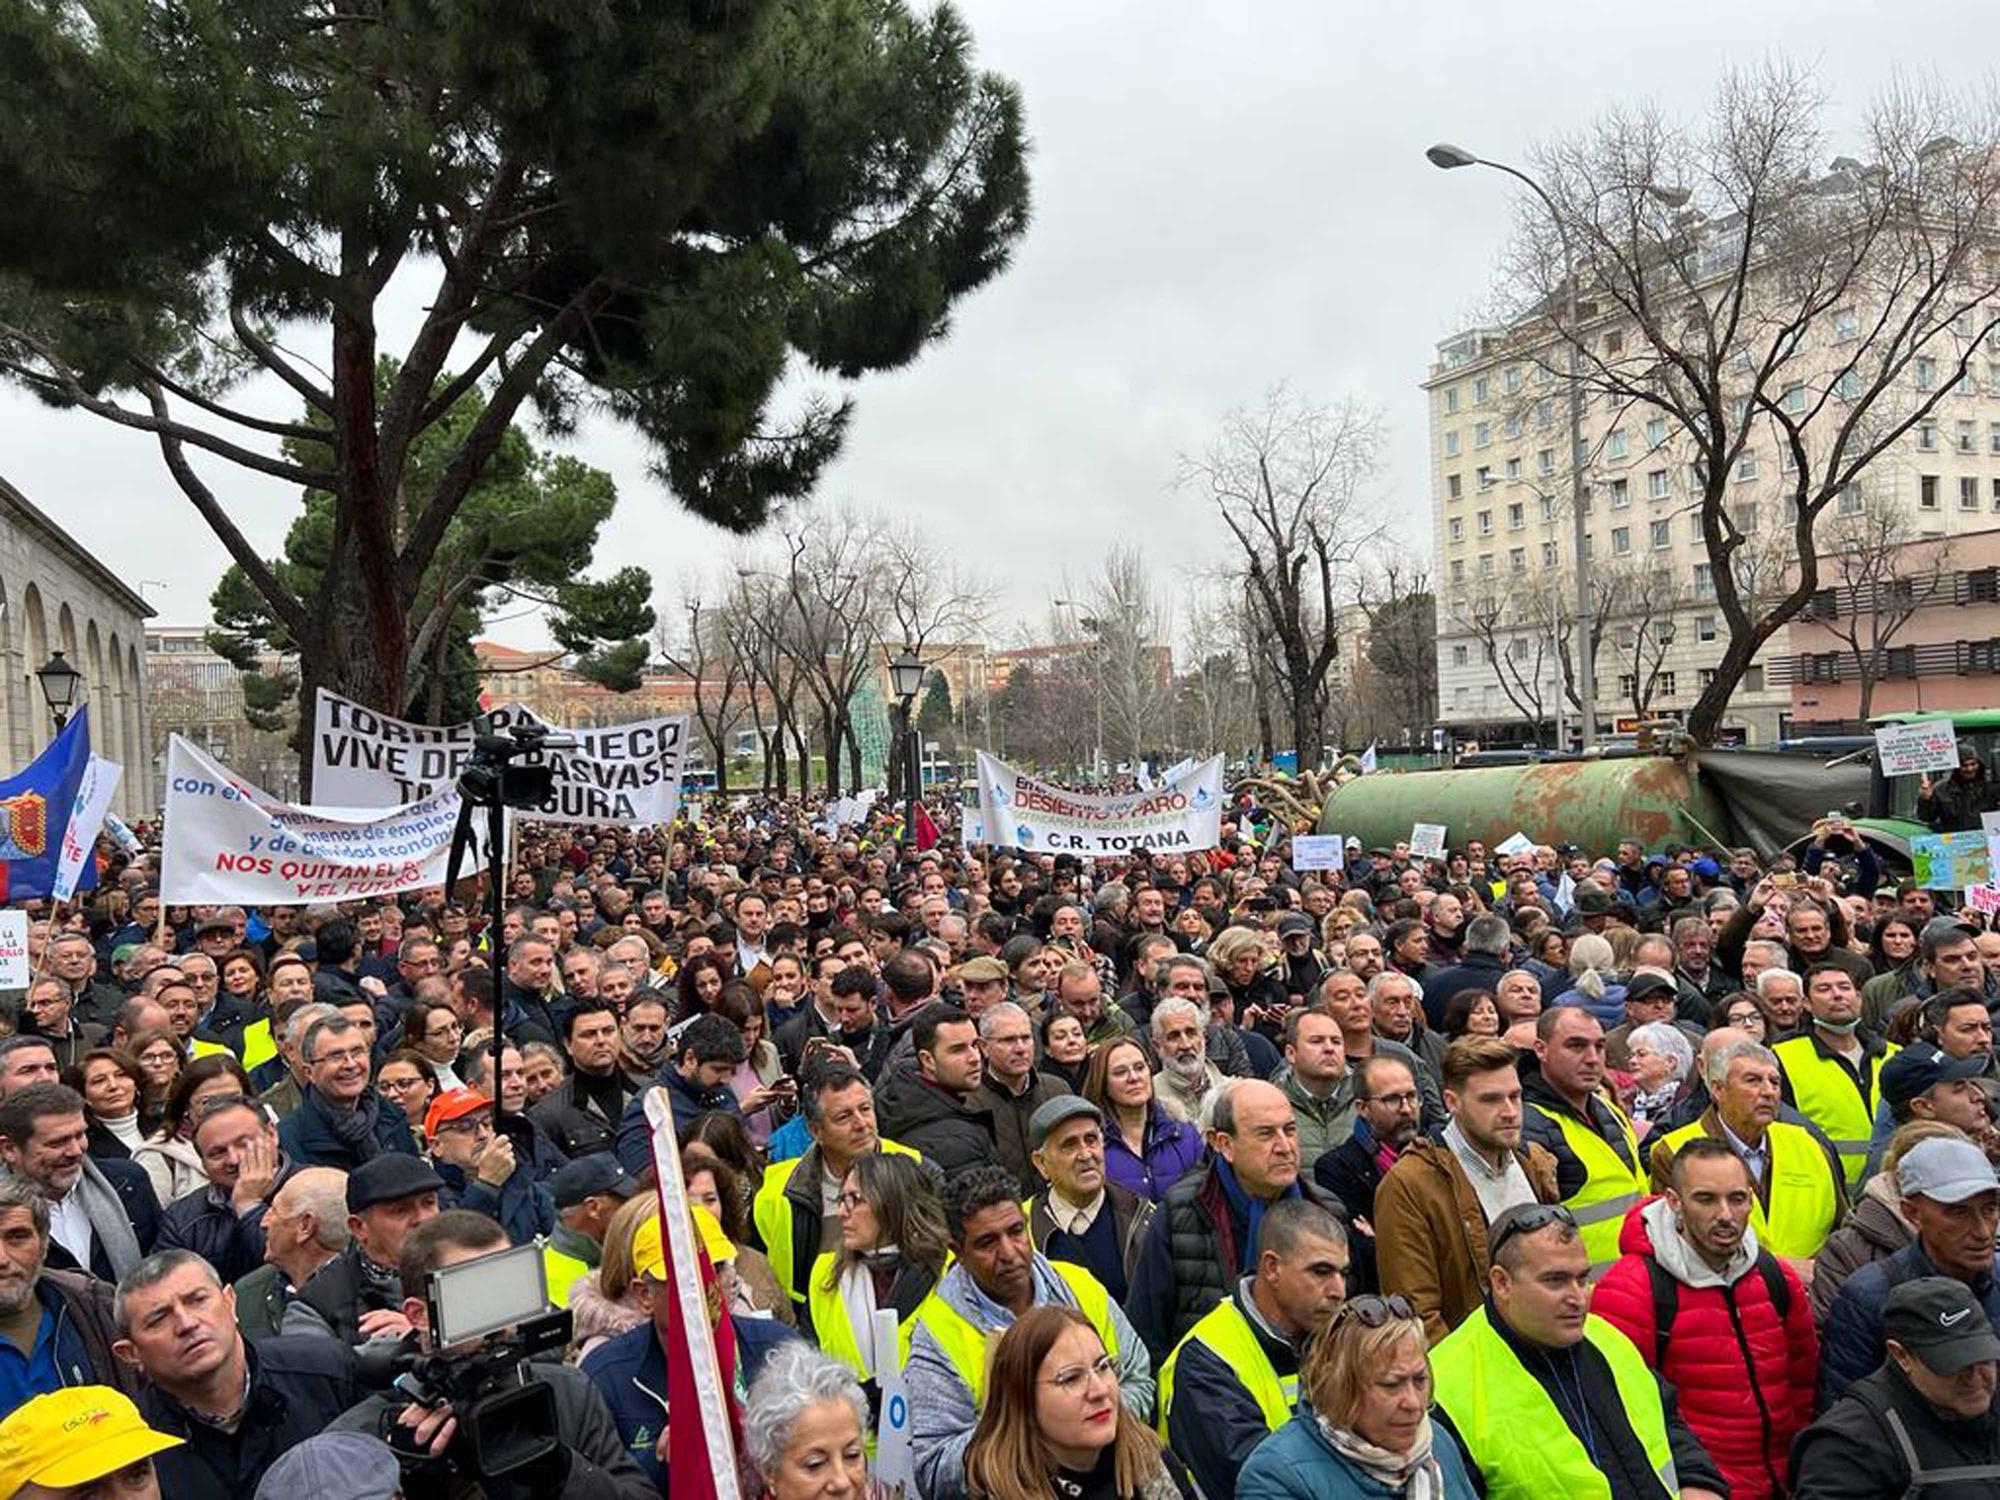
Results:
1226 197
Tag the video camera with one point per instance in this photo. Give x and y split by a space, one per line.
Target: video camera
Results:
506 768
488 1317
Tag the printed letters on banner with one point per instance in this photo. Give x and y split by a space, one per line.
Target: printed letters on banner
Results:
618 773
1907 749
1020 811
229 842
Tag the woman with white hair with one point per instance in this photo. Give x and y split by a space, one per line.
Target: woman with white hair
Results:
1593 969
1662 1062
803 1423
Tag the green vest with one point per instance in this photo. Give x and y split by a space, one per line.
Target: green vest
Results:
1512 1430
771 1211
1612 1187
1228 1335
1804 1204
968 1346
563 1271
1824 1093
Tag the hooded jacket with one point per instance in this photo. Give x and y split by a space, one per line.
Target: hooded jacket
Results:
1743 1368
945 1127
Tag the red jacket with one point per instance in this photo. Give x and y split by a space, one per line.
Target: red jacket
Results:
1744 1374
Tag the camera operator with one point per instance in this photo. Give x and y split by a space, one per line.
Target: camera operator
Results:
590 1463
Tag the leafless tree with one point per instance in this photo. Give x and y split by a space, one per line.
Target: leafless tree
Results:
1727 281
1881 574
1512 626
836 584
723 691
1291 482
1399 688
756 624
929 595
1131 664
1215 695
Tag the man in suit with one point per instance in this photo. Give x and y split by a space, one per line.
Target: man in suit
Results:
103 1216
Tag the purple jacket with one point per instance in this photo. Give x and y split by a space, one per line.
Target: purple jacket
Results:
1172 1146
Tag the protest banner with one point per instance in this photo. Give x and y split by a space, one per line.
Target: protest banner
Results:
895 1459
1983 898
1906 749
1317 851
86 817
1951 861
1517 843
14 968
228 842
1023 812
1427 840
618 773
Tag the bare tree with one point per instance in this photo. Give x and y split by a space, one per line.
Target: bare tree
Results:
836 584
723 691
1720 277
1131 667
1882 573
1214 701
1289 481
756 624
928 595
1640 609
1400 688
1512 628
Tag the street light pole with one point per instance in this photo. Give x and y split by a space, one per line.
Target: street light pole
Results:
59 682
906 676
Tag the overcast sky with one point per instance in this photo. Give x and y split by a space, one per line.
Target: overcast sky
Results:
1226 197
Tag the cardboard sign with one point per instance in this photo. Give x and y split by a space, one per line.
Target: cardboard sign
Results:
1318 851
1427 840
14 970
1518 843
1908 749
1983 898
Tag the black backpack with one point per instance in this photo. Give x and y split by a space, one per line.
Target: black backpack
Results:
1667 1297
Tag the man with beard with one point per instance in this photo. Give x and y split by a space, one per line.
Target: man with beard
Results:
56 1327
642 1040
1186 1079
1387 1105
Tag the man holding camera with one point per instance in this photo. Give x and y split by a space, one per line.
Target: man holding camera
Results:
587 1460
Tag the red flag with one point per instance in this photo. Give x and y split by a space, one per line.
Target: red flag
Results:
927 831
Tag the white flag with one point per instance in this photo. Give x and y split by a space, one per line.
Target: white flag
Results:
86 817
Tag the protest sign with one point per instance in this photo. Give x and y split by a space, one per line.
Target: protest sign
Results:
1023 812
1427 840
1906 749
618 773
1317 851
1519 843
14 968
895 1460
1983 898
227 842
1951 861
86 817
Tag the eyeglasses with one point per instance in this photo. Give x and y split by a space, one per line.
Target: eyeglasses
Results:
1527 1221
1074 1380
1372 1311
1408 1100
848 1202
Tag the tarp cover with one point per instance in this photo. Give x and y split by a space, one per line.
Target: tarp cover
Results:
1774 798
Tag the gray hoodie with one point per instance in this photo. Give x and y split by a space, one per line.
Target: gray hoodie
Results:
1678 1259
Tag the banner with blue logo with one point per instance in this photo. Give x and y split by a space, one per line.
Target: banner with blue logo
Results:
1019 811
35 809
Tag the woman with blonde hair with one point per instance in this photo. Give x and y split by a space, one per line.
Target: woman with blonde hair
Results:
1053 1427
1363 1428
1593 970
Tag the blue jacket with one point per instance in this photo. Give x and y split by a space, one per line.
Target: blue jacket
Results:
635 1136
1172 1148
1296 1463
630 1373
522 1207
1851 1345
307 1136
1609 1008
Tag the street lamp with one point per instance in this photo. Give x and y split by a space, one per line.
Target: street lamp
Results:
60 682
1450 157
906 678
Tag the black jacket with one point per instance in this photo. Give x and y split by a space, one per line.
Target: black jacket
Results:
1010 1114
1213 1422
1852 1453
346 1287
578 1126
1349 1174
1538 1126
1476 971
947 1129
297 1387
1954 805
308 1137
204 1222
142 1207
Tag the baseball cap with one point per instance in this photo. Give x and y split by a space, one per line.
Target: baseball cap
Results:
392 1175
334 1466
1053 1112
1651 986
649 1255
1352 842
1921 1067
1945 1170
1941 930
454 1104
591 1175
73 1436
1293 922
1593 902
984 969
1938 1319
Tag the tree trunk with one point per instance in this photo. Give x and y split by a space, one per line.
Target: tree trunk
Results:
774 757
829 728
853 757
720 751
804 753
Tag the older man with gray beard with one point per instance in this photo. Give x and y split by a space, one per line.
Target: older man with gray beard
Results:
1186 1081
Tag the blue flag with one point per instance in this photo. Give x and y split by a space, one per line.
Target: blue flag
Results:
34 811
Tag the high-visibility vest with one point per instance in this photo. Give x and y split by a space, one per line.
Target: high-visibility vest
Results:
1804 1202
835 1331
771 1211
258 1047
1228 1335
563 1271
1825 1094
1612 1187
969 1347
1512 1430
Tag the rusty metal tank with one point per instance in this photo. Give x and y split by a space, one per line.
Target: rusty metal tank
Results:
1656 799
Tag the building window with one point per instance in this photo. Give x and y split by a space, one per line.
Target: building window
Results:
1663 686
1968 437
1621 494
1795 399
1627 638
1924 369
1486 523
1996 494
1517 560
1450 399
1694 524
1850 502
1453 486
1927 492
1614 446
1614 342
1483 476
1481 388
1549 553
1739 412
1451 443
1704 678
1517 516
1704 627
1968 492
1704 581
1753 680
1482 434
1458 570
1745 517
1545 461
1628 684
1621 540
1657 487
1486 565
1513 471
1545 412
1510 379
1548 507
1846 324
1510 426
1663 534
1589 547
1697 479
1746 465
1460 656
1847 385
1656 433
1927 437
1455 528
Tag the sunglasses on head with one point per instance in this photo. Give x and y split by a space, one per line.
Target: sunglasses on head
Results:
1528 1221
1372 1311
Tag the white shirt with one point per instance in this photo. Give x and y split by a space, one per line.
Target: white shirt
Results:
1071 1218
1497 1191
69 1226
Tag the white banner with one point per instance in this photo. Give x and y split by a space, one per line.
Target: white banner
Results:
1022 812
1907 749
229 842
620 773
895 1462
1427 840
86 817
14 968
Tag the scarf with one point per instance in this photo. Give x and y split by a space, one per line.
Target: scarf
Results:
1382 1153
857 1295
354 1128
1413 1475
110 1225
1252 1210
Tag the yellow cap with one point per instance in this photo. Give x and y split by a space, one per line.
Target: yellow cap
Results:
74 1436
648 1256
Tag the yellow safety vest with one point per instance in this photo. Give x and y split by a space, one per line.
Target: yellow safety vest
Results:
563 1271
969 1346
1512 1430
1824 1093
1804 1203
771 1211
1227 1333
258 1048
834 1330
1612 1187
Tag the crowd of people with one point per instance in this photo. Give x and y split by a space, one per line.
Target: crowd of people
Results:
1549 1173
